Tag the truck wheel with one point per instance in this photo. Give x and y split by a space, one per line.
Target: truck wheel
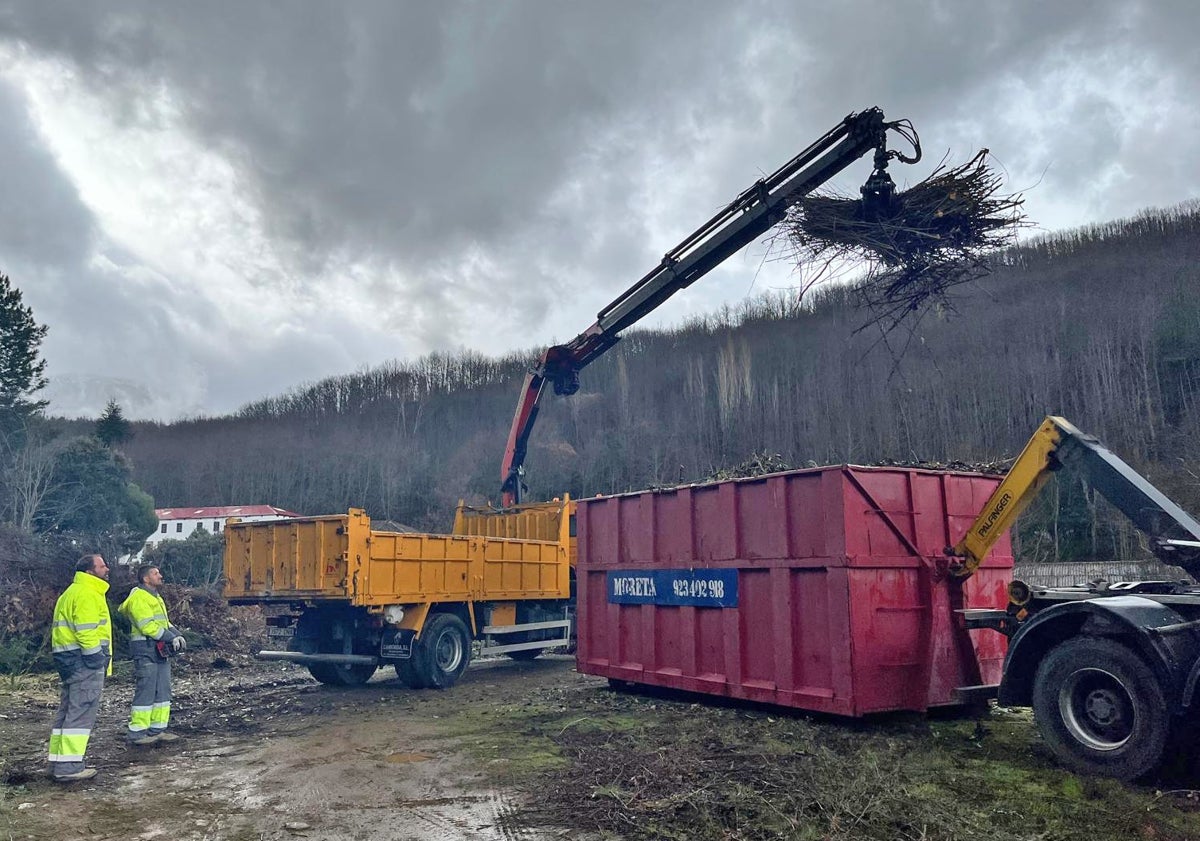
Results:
409 673
1099 707
335 674
442 652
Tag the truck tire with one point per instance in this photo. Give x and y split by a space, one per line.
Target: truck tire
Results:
442 652
410 674
333 674
1100 708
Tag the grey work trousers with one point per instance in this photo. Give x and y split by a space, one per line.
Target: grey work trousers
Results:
151 695
78 705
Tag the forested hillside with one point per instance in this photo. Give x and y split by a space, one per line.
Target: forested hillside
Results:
1101 325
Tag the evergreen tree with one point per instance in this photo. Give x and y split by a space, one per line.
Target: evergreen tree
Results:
113 429
92 496
22 372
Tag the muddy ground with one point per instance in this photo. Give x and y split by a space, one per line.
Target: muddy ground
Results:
535 751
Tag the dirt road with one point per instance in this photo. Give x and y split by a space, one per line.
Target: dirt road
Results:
268 753
535 752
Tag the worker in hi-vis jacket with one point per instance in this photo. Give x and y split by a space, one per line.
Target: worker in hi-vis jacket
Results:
152 639
81 643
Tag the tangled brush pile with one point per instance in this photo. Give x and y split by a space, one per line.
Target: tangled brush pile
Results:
933 236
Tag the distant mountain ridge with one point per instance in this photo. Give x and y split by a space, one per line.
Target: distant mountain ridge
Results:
1100 324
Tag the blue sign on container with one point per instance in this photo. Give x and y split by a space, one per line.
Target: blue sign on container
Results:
674 587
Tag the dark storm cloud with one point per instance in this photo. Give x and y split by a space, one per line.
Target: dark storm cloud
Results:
42 219
471 168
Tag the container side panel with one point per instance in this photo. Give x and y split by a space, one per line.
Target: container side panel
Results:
674 528
600 532
762 518
710 644
812 631
636 530
811 524
595 642
930 525
629 636
667 639
888 615
879 516
759 627
715 523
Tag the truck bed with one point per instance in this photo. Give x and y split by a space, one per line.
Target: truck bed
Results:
340 558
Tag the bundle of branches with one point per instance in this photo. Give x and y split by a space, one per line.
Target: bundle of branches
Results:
759 464
997 467
934 236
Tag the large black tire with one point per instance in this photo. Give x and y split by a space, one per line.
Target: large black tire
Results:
442 652
1100 708
320 637
336 674
409 673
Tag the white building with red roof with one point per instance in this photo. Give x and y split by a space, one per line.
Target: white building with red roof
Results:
179 523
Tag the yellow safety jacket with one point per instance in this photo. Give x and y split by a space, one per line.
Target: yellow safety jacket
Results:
81 629
147 615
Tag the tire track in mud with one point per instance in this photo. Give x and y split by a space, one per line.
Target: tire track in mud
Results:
507 818
490 817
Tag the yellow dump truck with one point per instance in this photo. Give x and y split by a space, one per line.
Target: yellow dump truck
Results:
347 598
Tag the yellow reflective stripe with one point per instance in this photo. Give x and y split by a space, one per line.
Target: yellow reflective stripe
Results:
68 745
160 715
95 649
78 626
139 718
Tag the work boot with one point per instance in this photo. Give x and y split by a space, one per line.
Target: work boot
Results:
144 739
164 736
85 774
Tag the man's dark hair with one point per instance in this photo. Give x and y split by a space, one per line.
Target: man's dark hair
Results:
86 563
143 571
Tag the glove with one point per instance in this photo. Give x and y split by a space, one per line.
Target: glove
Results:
179 644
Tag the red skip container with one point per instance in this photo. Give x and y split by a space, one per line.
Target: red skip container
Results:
820 589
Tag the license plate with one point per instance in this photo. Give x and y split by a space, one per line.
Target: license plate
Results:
285 633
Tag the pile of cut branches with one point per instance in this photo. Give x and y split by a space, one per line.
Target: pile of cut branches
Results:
759 464
996 467
934 236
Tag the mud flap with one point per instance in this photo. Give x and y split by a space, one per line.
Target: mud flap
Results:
397 644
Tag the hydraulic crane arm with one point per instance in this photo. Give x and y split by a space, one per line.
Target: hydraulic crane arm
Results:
1174 534
746 218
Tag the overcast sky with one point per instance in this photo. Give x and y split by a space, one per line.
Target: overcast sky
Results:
214 202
